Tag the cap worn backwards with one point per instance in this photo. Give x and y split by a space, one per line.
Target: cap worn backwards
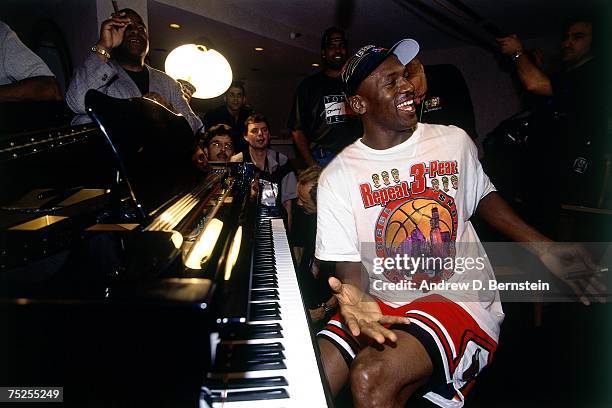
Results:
368 58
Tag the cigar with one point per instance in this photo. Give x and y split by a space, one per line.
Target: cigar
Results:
115 6
585 273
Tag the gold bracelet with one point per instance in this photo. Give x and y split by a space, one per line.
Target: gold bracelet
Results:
101 51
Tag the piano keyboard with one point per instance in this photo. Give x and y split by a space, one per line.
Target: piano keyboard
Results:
271 362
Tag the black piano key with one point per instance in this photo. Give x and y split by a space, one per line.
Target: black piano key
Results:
266 306
265 273
264 316
265 278
242 361
253 365
253 331
238 383
266 270
256 309
237 365
259 266
238 348
261 355
265 294
276 393
263 263
265 285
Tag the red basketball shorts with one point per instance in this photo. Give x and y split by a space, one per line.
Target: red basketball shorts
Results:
458 347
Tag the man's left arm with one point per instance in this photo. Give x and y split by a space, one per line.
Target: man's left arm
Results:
561 259
181 106
31 79
39 88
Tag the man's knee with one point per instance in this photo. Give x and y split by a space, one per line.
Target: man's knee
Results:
389 376
369 380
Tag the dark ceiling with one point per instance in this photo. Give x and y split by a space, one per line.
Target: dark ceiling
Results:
236 27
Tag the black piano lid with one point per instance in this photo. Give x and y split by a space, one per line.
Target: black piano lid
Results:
152 146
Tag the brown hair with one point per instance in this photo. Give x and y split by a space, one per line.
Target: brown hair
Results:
255 118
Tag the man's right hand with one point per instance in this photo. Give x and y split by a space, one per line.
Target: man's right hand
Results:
510 44
362 314
112 30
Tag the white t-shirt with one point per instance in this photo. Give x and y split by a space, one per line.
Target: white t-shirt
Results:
412 202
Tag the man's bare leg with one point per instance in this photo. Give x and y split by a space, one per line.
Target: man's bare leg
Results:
387 375
336 370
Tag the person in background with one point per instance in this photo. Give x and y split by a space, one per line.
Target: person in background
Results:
574 133
233 113
217 147
276 176
312 273
116 68
320 123
448 100
23 74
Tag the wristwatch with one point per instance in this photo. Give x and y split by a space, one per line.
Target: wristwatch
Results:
516 55
327 309
101 51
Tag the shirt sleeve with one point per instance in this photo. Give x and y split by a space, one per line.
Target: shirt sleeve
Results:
289 187
180 104
289 180
336 228
92 74
476 183
19 62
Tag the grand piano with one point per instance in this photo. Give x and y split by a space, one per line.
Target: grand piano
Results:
131 278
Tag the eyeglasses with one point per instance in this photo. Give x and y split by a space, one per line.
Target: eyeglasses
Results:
221 145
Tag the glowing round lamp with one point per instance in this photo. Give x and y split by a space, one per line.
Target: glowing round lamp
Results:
206 69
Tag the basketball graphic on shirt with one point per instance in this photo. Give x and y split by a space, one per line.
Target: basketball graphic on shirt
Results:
424 226
413 221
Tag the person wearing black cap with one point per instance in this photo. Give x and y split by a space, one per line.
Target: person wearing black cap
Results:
411 319
319 121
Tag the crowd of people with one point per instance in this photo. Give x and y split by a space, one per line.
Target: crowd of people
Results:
368 157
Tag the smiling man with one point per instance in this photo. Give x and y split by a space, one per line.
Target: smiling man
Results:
276 176
391 339
320 122
116 67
